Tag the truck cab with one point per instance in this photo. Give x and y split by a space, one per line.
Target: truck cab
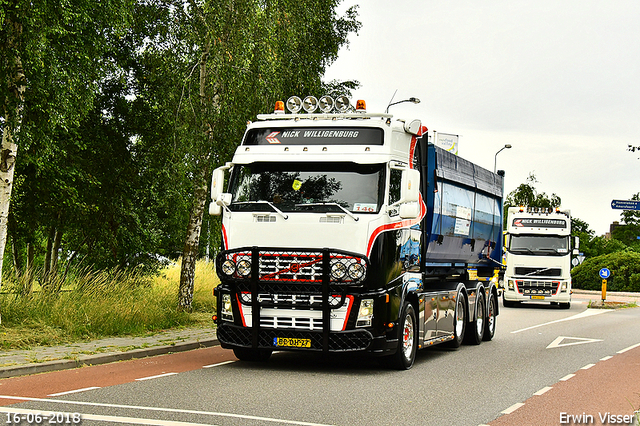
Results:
348 231
538 252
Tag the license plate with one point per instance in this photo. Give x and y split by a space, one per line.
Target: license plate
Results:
538 297
291 342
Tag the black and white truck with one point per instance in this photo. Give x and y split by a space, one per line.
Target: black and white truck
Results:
348 231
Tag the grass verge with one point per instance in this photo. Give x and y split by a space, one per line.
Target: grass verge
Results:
93 305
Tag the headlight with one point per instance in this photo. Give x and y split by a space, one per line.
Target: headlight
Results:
226 309
564 286
338 270
356 271
244 268
510 284
228 267
365 314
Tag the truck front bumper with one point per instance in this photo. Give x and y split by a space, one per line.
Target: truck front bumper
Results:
359 340
521 290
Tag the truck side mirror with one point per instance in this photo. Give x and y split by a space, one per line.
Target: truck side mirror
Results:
410 189
218 197
576 246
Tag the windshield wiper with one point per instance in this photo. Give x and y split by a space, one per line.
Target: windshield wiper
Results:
522 249
270 204
351 215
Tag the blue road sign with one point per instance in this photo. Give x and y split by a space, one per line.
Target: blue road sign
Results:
605 273
625 204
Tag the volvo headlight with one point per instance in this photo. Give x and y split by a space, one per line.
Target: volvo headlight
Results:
511 285
226 309
564 286
365 313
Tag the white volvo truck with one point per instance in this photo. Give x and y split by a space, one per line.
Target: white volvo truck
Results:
349 232
539 248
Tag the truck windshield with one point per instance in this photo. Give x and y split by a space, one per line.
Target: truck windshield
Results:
541 245
307 187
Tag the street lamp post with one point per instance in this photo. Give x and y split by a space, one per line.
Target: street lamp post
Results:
495 159
412 100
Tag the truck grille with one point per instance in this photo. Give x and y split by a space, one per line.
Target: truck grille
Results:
538 272
532 287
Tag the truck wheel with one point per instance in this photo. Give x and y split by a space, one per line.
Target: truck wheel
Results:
476 332
490 321
460 323
408 344
252 355
565 305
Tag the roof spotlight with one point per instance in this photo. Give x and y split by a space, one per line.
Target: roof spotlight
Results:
310 104
326 103
342 103
294 104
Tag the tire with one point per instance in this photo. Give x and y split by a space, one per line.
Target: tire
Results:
490 321
565 305
460 323
475 333
405 356
252 355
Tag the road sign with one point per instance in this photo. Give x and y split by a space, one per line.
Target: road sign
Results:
625 204
605 273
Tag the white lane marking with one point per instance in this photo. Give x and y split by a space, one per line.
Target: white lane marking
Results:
156 377
74 391
587 313
167 410
567 377
543 391
629 348
112 419
216 365
513 408
606 358
588 366
559 341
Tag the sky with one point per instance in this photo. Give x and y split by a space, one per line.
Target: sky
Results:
559 80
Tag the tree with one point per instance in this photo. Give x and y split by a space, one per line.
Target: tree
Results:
246 55
50 59
527 195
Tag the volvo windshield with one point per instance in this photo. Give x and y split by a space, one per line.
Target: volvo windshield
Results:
308 187
539 244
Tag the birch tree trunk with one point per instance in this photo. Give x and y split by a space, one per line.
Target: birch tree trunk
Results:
12 114
194 228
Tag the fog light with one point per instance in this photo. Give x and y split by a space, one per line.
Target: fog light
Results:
228 267
356 271
244 268
338 270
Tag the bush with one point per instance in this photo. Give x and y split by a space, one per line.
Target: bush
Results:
624 267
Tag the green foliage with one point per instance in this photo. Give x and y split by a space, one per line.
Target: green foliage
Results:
527 195
625 272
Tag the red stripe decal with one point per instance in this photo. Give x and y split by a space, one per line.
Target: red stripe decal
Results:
407 223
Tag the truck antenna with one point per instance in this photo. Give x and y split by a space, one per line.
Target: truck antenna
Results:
391 100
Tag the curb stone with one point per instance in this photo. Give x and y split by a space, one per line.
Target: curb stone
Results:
104 358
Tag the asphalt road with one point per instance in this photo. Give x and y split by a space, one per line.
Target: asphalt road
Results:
532 358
